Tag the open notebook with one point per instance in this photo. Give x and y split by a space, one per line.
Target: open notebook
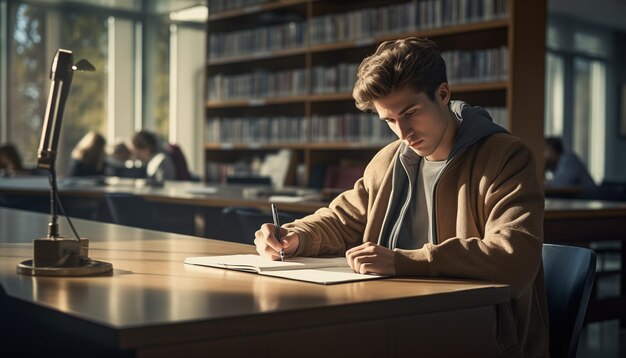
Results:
310 269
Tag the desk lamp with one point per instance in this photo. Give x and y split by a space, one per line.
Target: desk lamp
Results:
56 255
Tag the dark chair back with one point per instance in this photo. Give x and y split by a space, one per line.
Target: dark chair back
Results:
182 170
343 177
256 180
569 273
249 220
129 210
232 230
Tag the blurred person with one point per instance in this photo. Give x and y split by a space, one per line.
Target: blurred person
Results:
121 153
88 157
120 162
10 160
564 168
159 165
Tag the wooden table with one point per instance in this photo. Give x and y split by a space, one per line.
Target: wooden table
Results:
567 221
155 306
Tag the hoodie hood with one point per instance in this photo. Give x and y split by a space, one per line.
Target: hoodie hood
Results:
476 124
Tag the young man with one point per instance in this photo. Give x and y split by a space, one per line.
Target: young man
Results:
565 166
159 165
455 196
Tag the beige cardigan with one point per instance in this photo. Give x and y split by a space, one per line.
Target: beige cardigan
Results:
489 224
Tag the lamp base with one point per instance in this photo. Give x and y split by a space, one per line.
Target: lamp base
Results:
61 256
88 267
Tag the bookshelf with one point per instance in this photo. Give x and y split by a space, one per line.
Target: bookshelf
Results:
279 75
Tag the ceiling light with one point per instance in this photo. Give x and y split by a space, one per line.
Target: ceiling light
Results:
192 14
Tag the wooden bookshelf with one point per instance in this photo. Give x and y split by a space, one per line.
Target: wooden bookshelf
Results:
255 102
245 54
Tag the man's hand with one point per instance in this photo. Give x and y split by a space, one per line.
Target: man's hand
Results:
372 258
267 244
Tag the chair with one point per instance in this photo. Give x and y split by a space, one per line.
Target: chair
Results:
129 210
182 170
342 177
232 229
253 179
249 220
569 273
81 207
38 203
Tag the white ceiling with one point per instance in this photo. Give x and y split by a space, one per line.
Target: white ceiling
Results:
610 13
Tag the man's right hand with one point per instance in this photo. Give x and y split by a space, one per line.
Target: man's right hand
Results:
267 245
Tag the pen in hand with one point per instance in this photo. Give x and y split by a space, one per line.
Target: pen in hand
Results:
277 232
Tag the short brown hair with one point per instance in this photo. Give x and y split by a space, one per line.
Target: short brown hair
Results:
90 149
145 140
412 62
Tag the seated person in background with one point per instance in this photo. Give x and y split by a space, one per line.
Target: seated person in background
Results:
159 165
88 156
121 164
566 169
180 163
455 196
10 160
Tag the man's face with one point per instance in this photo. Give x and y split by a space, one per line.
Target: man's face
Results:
142 154
417 120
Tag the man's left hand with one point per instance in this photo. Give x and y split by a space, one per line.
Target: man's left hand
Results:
372 258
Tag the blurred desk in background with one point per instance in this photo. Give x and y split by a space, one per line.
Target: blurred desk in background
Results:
189 208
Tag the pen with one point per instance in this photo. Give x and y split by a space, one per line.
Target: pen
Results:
277 232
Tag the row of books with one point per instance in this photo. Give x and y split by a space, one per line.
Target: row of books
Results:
334 79
261 84
256 130
487 65
500 116
218 172
271 165
350 127
355 25
476 66
217 6
259 41
405 17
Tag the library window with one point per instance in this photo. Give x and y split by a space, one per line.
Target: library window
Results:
555 77
26 79
35 33
157 78
589 114
104 100
87 36
576 101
